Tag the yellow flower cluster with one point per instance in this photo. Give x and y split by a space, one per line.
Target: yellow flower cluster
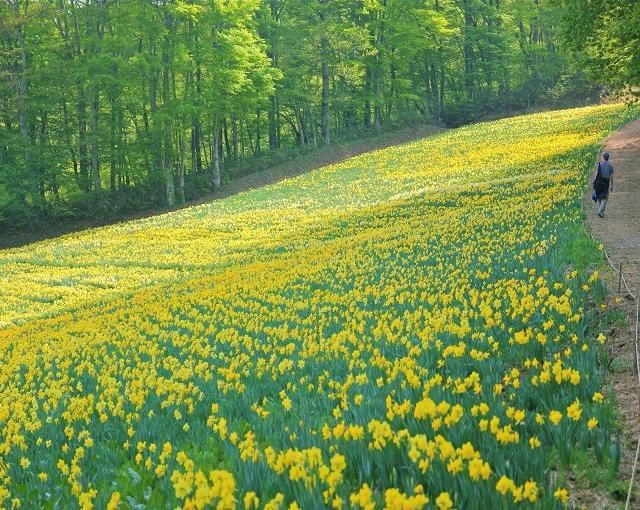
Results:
199 491
396 331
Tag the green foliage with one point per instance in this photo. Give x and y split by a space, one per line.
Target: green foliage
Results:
607 33
107 106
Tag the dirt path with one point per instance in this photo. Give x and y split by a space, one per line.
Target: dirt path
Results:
619 231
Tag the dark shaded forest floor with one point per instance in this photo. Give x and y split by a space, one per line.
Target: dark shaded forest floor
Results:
334 153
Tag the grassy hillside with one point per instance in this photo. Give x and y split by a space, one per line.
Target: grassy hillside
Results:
65 273
402 326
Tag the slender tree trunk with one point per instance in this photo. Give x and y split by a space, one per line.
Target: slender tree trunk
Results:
113 161
68 143
273 117
377 114
196 156
181 167
367 100
47 180
152 129
325 103
95 163
441 91
435 93
22 86
258 131
278 124
167 171
274 141
149 136
234 140
381 41
215 154
205 150
314 126
325 122
468 52
227 143
243 139
82 140
197 128
392 94
302 139
122 149
167 166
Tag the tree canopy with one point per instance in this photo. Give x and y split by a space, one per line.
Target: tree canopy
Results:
108 105
606 34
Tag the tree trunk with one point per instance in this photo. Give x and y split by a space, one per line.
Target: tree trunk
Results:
441 91
227 143
82 140
234 140
435 94
22 88
46 177
122 149
302 138
167 171
113 161
468 53
273 117
205 150
377 113
95 164
152 130
215 154
367 100
196 156
274 142
167 166
313 127
324 55
325 102
22 97
258 131
181 168
67 140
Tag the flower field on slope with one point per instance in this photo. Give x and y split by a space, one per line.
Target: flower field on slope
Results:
400 330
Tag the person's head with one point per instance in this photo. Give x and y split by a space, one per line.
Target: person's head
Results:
605 156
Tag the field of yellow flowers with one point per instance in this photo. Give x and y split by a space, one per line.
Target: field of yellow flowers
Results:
403 330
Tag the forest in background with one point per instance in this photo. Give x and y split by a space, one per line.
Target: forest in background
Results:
120 105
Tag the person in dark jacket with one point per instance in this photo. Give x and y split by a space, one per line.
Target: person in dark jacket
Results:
603 183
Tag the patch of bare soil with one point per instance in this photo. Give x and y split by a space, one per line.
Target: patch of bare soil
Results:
619 231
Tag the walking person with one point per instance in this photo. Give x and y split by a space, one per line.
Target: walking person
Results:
603 183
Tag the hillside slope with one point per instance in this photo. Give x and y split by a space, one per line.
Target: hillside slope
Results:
62 274
405 326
